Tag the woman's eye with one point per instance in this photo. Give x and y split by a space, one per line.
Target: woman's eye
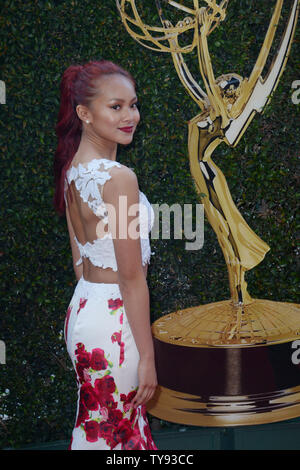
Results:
117 106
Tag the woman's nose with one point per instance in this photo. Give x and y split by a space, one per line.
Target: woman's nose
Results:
129 114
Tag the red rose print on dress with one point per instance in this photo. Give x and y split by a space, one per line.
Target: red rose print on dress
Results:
127 399
83 414
104 413
92 430
114 416
89 397
82 303
114 305
98 361
122 432
95 360
116 337
99 415
147 431
67 321
86 376
106 431
135 442
83 361
104 389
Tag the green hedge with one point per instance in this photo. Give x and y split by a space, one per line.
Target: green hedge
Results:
38 40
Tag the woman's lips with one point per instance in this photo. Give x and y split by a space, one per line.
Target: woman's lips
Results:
128 130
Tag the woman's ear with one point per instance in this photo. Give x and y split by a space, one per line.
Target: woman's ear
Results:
83 113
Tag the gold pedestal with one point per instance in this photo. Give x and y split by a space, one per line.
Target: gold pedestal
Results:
224 365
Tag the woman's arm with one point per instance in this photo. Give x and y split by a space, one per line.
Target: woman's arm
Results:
75 251
132 281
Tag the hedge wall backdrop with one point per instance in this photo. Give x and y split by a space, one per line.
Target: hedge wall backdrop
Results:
38 40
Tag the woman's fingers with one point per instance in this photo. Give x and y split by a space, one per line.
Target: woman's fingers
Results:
139 397
147 382
143 395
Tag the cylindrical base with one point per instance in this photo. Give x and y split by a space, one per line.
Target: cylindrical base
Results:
178 407
230 384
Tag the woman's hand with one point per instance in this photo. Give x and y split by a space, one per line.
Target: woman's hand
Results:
147 382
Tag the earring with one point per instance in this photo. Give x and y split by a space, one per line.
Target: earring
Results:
87 122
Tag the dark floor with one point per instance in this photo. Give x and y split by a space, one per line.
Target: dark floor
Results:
284 435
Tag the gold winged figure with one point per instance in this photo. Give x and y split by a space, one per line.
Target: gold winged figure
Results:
225 363
227 106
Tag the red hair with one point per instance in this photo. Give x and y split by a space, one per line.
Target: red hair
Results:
78 86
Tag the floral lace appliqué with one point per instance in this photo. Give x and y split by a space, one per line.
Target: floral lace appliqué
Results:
89 181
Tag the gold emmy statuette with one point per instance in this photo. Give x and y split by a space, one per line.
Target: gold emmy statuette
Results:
227 363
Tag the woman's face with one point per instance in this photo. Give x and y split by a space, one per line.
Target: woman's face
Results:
113 114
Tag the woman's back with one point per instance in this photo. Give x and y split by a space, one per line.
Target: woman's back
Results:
90 219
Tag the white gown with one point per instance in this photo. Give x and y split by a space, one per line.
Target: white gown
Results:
99 339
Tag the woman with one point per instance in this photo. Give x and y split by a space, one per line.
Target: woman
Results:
107 326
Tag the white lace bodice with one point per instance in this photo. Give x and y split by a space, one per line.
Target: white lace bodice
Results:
89 181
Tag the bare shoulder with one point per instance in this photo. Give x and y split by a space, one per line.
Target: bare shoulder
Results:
122 171
123 179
